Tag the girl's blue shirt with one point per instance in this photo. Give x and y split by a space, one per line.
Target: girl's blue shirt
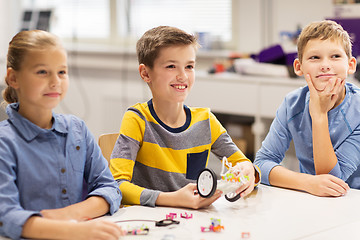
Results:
48 169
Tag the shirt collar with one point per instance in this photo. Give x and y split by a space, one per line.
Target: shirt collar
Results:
28 129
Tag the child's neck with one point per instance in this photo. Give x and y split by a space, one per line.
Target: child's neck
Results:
43 119
173 115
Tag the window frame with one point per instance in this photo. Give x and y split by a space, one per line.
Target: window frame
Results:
116 39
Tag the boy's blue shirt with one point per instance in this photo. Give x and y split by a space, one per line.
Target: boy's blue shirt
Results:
293 122
46 169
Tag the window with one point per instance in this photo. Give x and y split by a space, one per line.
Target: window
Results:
213 17
75 18
97 19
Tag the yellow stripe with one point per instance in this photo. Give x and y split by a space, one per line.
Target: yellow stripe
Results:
199 114
131 193
132 119
216 128
121 168
237 156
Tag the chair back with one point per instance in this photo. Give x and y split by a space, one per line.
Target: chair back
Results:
107 143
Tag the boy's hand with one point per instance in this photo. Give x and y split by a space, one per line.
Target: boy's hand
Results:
186 197
247 169
326 185
323 101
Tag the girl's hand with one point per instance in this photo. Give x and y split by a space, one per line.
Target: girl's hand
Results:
97 229
58 214
323 101
247 169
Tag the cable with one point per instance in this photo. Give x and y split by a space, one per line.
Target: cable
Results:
161 223
135 220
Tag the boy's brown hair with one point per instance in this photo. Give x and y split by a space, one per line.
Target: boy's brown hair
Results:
324 30
153 40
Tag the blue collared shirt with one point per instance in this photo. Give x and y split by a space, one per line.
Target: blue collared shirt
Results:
293 122
48 169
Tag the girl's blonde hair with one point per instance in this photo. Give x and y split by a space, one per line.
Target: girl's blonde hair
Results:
324 30
20 45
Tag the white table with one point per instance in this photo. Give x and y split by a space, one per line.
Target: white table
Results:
268 213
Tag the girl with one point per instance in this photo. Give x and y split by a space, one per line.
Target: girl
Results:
47 158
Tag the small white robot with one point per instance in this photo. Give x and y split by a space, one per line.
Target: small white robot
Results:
230 181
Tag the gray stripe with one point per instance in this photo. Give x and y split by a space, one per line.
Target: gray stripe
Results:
224 146
125 147
155 133
153 178
148 197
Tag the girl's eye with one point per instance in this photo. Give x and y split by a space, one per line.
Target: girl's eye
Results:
62 72
190 67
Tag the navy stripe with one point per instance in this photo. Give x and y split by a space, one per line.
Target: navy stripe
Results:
170 129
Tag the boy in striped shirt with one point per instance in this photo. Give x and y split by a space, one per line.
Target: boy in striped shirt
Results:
163 144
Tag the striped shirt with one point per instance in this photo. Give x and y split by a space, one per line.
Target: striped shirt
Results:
150 157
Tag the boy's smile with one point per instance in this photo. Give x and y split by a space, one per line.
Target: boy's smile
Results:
179 86
173 74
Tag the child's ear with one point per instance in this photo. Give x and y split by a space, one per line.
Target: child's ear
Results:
297 67
144 74
352 66
11 78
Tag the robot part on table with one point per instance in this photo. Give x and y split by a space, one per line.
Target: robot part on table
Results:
230 181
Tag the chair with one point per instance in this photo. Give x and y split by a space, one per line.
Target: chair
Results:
106 143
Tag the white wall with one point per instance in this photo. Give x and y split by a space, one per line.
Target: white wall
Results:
258 22
9 24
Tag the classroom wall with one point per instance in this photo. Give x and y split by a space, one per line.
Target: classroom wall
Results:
257 25
102 89
259 22
9 23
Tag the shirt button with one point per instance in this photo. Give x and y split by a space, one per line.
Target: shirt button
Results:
78 148
64 191
63 170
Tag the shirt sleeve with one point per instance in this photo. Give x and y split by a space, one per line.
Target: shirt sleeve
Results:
223 145
348 155
275 145
98 176
123 160
12 215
